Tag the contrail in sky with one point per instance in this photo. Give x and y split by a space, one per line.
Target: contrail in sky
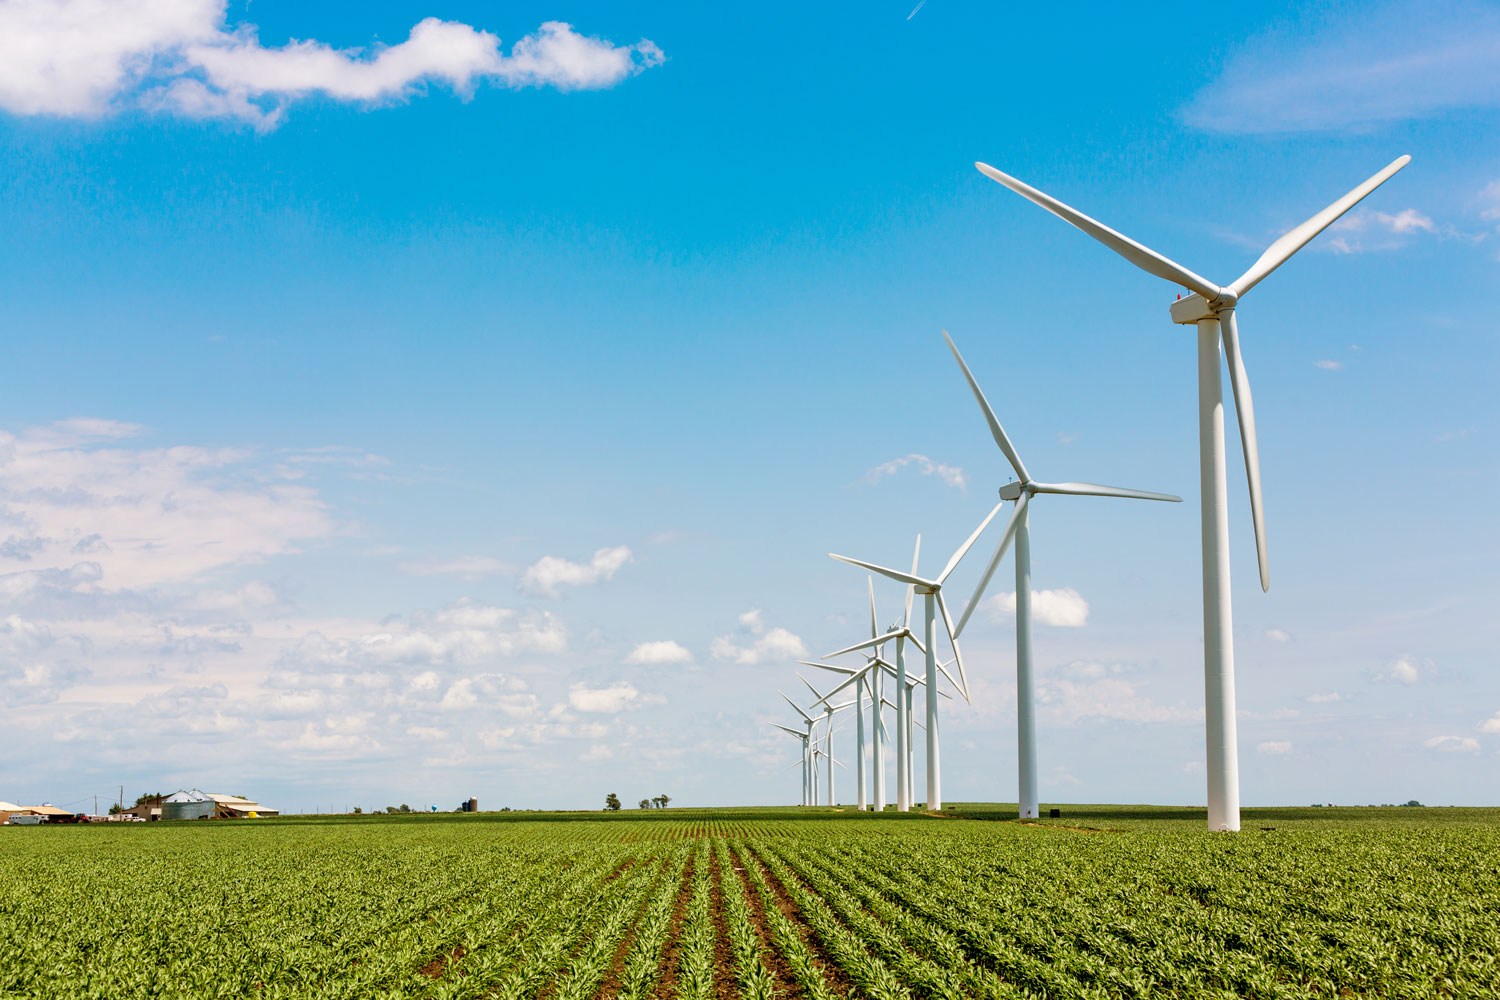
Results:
915 9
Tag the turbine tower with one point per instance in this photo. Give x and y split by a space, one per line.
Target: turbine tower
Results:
1017 527
806 777
1211 308
932 590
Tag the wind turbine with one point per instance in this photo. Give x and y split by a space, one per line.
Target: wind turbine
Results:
901 634
873 668
932 590
1017 527
859 702
828 713
806 778
1211 308
812 786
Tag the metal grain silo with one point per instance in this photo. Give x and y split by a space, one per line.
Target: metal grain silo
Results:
187 805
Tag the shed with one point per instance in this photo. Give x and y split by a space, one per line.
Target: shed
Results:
239 807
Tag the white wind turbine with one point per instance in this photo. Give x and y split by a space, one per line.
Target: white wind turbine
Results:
811 795
863 678
869 674
806 776
1211 308
1017 527
828 714
901 635
932 590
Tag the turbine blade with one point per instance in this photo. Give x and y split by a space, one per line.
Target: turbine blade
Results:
996 431
894 574
799 762
1095 490
862 644
915 552
963 549
823 699
795 706
958 659
874 627
911 637
989 571
828 666
784 729
944 668
1289 243
816 693
1143 257
1244 411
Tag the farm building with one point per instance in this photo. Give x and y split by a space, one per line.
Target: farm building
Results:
6 808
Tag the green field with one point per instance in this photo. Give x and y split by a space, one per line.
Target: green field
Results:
707 905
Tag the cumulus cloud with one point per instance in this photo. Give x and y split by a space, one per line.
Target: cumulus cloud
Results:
490 691
1408 670
1274 748
755 643
88 58
1277 635
615 698
661 651
1325 698
950 474
1329 366
1452 744
1490 725
1063 608
549 573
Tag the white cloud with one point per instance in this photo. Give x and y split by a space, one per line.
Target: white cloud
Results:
1452 744
1490 725
1063 608
950 474
550 572
1408 670
1274 748
615 698
142 516
1365 230
1098 691
254 594
1329 366
490 691
1325 698
87 58
427 734
597 751
769 645
467 567
1348 67
661 651
1277 635
754 620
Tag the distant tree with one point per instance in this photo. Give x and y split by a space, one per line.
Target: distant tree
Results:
114 809
357 810
392 810
405 808
663 799
612 802
645 803
1413 802
150 798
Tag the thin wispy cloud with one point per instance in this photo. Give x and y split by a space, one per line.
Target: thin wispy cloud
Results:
953 475
1356 67
90 58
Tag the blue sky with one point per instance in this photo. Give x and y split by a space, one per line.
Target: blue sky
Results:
399 419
